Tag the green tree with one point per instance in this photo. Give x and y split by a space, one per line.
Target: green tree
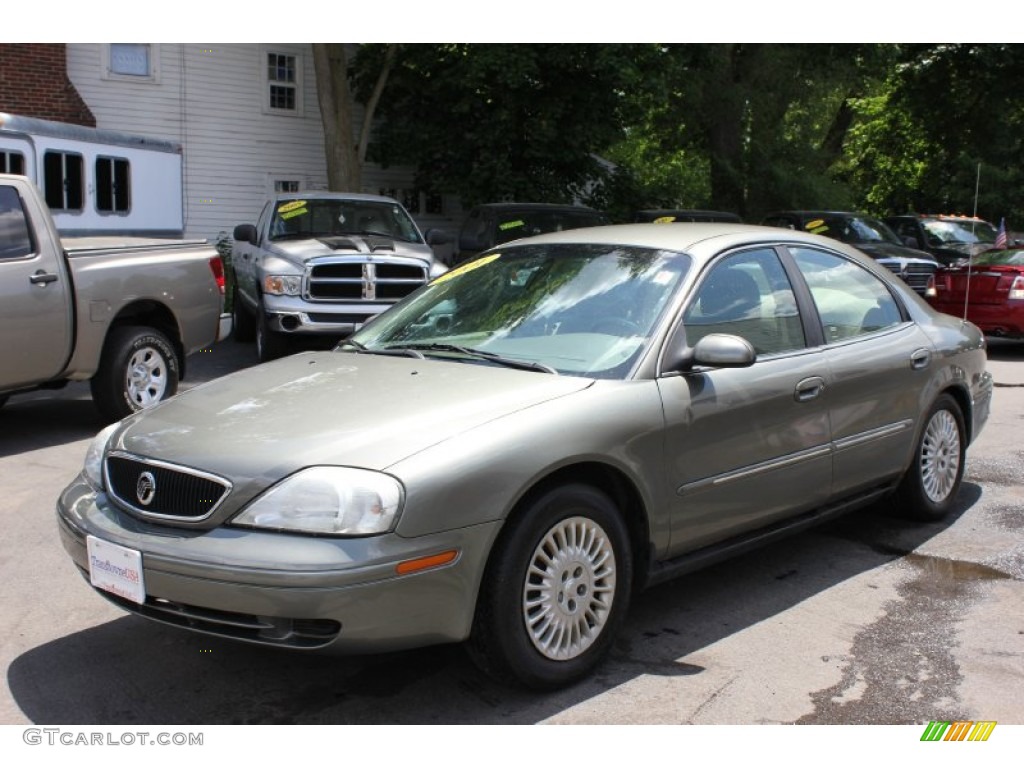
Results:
501 122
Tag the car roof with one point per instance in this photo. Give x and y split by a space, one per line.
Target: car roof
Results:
323 195
537 207
699 239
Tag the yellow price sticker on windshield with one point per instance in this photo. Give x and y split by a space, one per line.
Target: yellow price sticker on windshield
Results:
293 214
664 219
291 206
511 225
465 268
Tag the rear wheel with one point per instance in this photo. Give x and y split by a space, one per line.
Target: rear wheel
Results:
929 488
556 590
138 369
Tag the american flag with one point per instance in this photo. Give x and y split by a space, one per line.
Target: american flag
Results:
1001 234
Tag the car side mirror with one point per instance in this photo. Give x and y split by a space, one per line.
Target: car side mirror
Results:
437 237
716 350
246 233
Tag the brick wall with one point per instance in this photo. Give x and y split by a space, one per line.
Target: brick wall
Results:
34 83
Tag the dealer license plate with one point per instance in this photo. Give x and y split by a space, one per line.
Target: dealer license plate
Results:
116 569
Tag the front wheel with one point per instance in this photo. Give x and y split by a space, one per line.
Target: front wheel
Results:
929 488
556 590
138 369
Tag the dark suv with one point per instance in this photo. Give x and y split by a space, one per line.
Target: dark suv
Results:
492 224
866 234
948 238
664 215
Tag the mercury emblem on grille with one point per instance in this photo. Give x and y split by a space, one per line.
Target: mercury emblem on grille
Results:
145 488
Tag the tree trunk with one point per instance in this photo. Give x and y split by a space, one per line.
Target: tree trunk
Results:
344 171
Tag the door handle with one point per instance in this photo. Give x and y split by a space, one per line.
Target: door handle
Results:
809 388
42 278
920 359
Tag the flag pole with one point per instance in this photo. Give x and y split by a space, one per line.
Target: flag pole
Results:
970 254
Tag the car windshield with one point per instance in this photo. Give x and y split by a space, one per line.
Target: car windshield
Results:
318 218
960 232
853 229
582 310
517 224
1011 258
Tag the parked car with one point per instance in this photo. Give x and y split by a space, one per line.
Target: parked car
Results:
867 234
950 239
989 291
504 457
491 224
317 265
674 215
119 312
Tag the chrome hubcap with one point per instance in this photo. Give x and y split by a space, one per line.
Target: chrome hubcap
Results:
569 588
147 377
940 456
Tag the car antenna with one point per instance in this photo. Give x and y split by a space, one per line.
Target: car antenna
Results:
970 254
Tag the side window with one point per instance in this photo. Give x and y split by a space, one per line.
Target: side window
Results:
851 301
15 235
63 181
747 294
113 188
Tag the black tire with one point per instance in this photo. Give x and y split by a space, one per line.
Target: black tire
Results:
511 640
3 400
138 369
928 490
270 344
243 323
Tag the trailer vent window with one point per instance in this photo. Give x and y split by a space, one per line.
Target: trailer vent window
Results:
12 162
113 189
63 181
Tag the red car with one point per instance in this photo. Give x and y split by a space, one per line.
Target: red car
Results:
991 291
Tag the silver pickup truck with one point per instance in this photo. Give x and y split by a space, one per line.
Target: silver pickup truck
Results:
319 264
122 313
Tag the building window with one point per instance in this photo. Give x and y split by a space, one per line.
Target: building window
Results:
63 181
131 62
284 76
113 188
286 185
12 162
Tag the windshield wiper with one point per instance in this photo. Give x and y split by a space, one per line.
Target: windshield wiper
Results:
508 362
361 348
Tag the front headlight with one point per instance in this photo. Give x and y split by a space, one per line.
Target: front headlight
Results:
282 285
93 469
335 501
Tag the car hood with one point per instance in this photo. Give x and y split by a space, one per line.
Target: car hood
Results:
299 252
892 251
258 425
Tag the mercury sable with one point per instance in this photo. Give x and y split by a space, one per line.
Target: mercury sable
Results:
508 454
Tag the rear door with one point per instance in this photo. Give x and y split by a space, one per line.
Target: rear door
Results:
35 293
876 360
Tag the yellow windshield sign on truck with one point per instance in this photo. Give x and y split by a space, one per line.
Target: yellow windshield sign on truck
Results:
511 224
816 227
293 214
291 206
664 219
465 268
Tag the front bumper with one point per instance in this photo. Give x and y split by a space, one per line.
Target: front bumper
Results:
285 590
293 314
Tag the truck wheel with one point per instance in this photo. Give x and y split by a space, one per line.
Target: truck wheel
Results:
556 590
243 324
138 369
270 344
929 488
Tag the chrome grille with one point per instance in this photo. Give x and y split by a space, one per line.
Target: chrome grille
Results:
362 281
177 493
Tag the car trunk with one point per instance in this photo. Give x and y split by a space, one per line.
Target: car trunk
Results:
988 285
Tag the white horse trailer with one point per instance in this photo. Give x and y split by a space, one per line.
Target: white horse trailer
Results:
97 182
